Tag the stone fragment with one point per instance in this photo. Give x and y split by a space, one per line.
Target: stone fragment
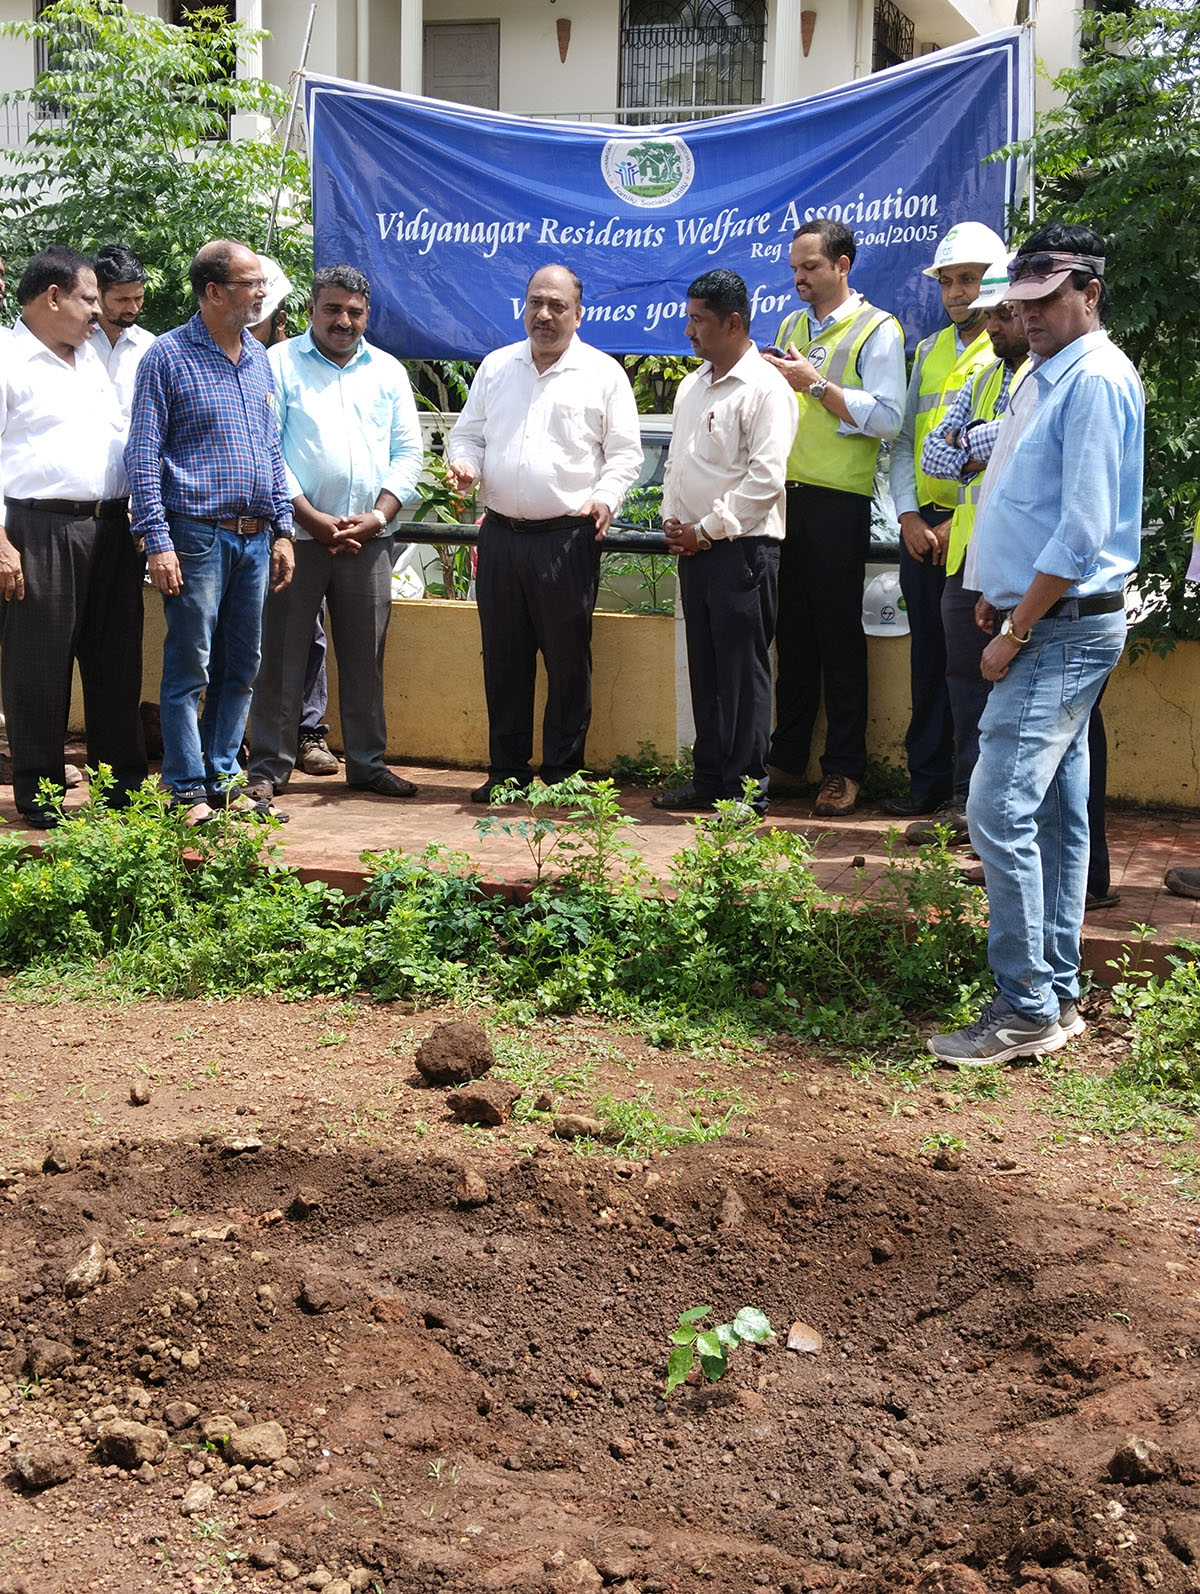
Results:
1066 1580
323 1292
241 1146
750 1400
1140 1460
359 1579
85 1272
264 1556
131 1444
197 1499
140 1092
46 1358
389 1309
803 1339
178 1413
622 1447
471 1190
287 1571
454 1054
262 1506
948 1159
581 1577
578 1126
62 1156
41 1466
304 1202
217 1428
954 1579
882 1250
339 1585
490 1103
253 1446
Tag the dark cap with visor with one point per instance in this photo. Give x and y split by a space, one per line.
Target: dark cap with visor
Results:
1036 276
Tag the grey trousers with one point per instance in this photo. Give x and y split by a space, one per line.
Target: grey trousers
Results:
357 589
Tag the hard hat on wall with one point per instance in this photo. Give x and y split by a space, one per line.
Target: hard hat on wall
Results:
970 243
884 612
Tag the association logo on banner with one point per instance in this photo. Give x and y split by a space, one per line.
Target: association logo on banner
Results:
647 172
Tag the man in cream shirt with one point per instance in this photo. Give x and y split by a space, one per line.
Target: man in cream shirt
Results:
550 432
69 571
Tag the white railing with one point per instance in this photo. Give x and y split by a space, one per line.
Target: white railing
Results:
18 118
643 115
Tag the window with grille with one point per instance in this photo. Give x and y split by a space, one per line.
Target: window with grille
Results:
894 36
683 53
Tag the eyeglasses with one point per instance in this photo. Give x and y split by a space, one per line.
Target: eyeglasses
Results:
244 282
1045 265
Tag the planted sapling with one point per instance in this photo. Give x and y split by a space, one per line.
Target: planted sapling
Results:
712 1344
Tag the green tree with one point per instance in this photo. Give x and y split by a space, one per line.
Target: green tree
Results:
1120 154
132 144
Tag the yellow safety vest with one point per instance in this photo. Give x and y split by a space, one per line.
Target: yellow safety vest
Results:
985 396
821 456
941 374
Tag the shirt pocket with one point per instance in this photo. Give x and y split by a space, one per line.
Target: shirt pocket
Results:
716 440
575 430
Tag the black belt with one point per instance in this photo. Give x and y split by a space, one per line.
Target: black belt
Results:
555 523
1076 608
77 508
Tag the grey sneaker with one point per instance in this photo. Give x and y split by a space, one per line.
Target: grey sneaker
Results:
1070 1020
998 1035
314 757
951 816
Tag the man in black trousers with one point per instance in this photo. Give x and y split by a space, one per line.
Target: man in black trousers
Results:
70 574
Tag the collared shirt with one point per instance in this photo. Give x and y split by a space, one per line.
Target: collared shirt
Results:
976 438
903 473
546 442
62 433
122 358
203 440
876 407
729 450
349 432
1063 491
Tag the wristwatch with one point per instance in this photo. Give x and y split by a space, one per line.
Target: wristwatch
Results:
381 518
817 390
283 536
1009 635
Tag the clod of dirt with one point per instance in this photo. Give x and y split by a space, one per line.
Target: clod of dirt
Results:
178 1413
198 1499
1047 1543
1182 1537
581 1577
882 1251
132 1444
389 1309
956 1579
323 1292
140 1092
483 1104
62 1156
733 1210
1140 1461
46 1358
948 1159
623 1448
804 1339
85 1272
254 1446
1066 1580
471 1189
264 1556
750 1400
454 1054
578 1126
304 1202
41 1466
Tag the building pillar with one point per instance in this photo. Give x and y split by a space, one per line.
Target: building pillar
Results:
246 125
787 51
412 45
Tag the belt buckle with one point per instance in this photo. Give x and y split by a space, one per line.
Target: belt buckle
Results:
242 523
94 512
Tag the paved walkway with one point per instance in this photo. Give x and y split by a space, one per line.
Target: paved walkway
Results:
330 827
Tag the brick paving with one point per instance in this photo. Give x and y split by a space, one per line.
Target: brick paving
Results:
330 827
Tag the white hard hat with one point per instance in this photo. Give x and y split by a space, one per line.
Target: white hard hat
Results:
884 611
278 286
968 244
994 287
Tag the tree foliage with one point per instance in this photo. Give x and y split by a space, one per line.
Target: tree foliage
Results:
131 143
1121 154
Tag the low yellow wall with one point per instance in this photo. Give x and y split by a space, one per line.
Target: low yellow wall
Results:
435 709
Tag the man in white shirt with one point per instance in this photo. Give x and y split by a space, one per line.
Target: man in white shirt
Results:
69 571
118 340
550 431
723 513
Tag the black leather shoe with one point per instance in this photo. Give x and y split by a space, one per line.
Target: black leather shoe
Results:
483 794
385 784
683 800
915 804
39 818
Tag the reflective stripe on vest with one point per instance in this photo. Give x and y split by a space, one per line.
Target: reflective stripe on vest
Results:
941 374
821 456
985 406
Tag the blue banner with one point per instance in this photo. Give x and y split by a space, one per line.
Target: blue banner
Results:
448 210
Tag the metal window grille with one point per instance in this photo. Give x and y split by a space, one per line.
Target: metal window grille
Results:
894 36
691 53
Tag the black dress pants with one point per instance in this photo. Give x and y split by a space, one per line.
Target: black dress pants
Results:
83 601
929 742
819 642
535 591
730 596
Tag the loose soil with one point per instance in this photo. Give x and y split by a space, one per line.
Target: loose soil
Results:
462 1332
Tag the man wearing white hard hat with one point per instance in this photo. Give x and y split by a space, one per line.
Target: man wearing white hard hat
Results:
956 451
1058 532
943 365
272 329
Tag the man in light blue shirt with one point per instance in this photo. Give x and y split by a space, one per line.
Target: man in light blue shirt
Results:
352 453
1057 534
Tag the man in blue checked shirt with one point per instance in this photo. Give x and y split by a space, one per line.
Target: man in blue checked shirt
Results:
352 451
209 497
1058 532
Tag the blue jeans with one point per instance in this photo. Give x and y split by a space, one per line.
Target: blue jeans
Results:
1027 808
214 627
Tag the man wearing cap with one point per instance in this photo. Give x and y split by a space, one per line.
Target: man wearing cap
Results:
957 450
943 365
1057 533
844 360
118 340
